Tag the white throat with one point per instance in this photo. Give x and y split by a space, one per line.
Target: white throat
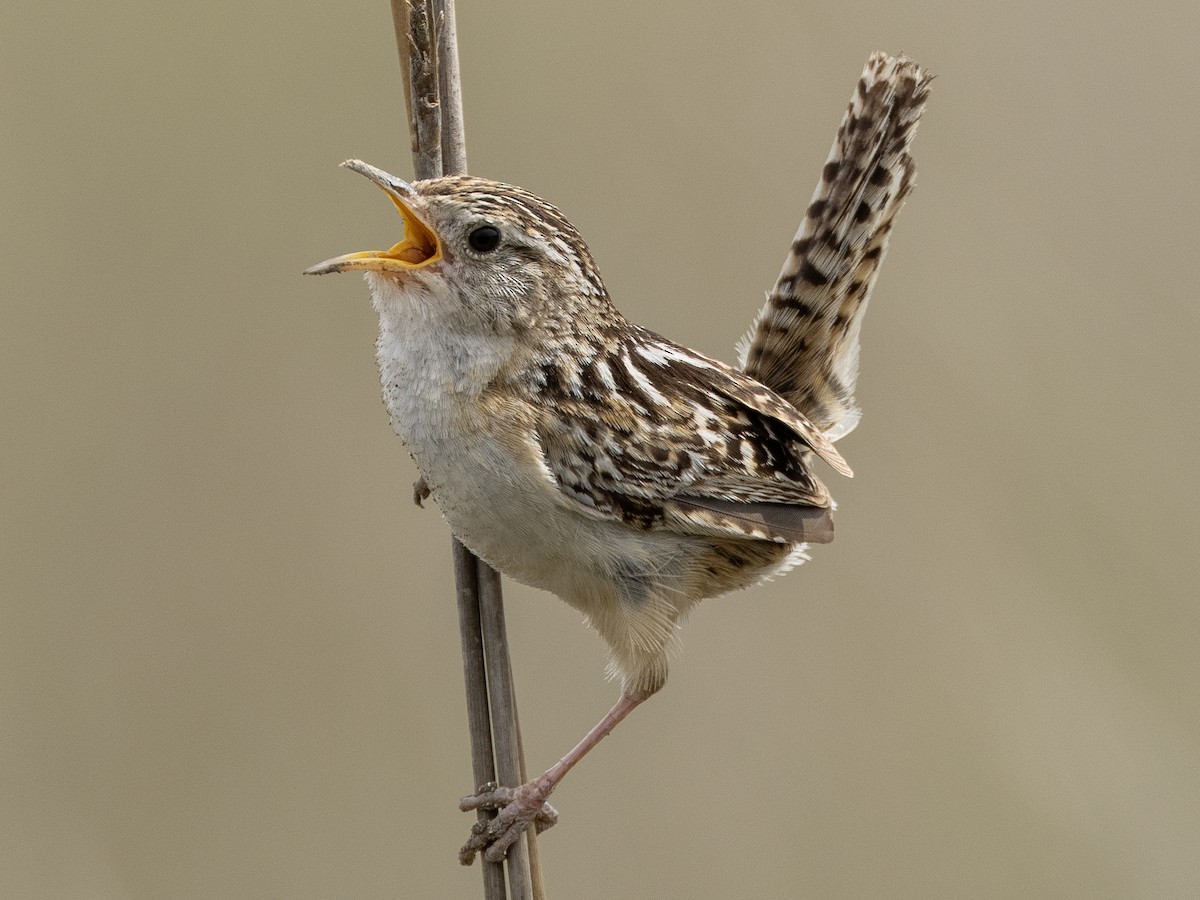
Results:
433 361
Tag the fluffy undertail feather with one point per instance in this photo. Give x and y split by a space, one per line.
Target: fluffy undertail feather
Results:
804 342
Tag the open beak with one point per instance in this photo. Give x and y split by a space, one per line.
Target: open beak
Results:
419 248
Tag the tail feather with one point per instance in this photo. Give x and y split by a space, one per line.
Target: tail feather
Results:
804 342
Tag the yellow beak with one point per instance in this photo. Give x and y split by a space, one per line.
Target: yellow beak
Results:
419 248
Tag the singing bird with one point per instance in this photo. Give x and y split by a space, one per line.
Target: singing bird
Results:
580 453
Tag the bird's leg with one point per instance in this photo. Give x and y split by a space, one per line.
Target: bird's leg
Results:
520 806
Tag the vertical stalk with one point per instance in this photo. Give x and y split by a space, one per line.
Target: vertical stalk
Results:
426 38
479 717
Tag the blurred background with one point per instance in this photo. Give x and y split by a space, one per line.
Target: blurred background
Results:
229 662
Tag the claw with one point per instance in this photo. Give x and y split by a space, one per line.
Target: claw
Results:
421 491
518 808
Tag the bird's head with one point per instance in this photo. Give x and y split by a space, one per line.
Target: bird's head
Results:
477 252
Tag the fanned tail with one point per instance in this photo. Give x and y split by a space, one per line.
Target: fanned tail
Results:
804 342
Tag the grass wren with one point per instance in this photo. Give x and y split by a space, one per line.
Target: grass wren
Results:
579 453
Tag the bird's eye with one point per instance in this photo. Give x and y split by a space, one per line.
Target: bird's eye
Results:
485 238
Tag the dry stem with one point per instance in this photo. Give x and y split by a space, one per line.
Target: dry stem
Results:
426 39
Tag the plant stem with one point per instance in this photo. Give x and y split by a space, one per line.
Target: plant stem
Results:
426 38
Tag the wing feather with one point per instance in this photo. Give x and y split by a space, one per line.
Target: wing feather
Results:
658 436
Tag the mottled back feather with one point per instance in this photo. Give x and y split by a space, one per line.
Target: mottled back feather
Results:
656 436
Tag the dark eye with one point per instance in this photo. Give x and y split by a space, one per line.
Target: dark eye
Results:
485 238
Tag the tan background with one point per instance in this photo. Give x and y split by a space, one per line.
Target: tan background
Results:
228 651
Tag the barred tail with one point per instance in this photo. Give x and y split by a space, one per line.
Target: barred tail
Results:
804 342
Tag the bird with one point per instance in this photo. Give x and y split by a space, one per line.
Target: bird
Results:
580 453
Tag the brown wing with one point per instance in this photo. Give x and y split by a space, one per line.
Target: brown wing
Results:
656 436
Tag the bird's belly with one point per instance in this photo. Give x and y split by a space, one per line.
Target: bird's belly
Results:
503 507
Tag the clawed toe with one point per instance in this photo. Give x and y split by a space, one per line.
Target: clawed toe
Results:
517 808
489 796
421 491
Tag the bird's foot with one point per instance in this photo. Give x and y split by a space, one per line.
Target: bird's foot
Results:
517 809
421 491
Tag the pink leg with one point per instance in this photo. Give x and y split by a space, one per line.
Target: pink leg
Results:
526 804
